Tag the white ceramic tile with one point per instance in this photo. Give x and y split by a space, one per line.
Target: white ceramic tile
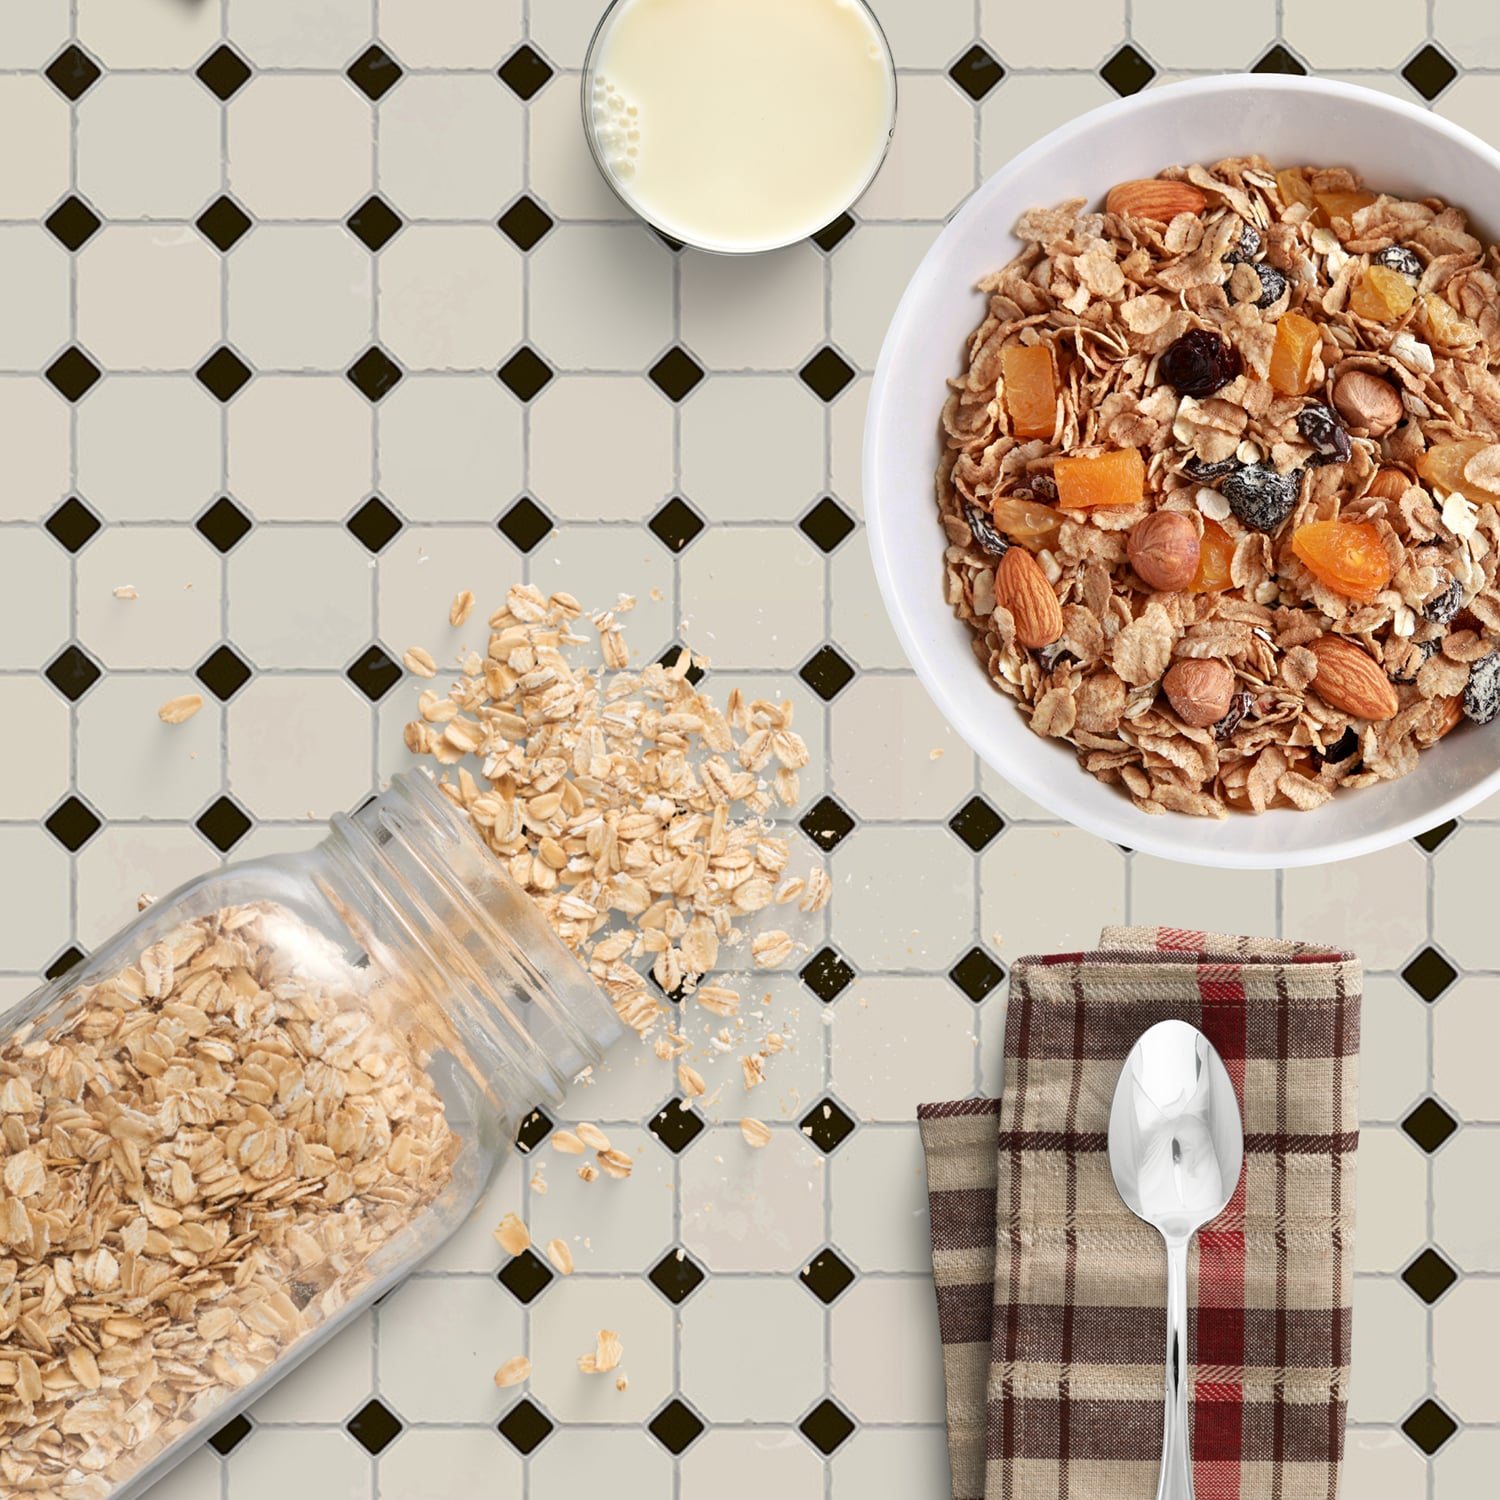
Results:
288 838
563 174
450 34
126 861
767 1379
1386 83
450 447
885 1358
563 28
1460 915
752 597
1174 895
752 1210
300 297
629 1084
1464 1027
148 33
1387 33
36 762
596 566
1025 108
870 273
751 1465
1032 36
150 448
34 918
198 1477
1392 1049
148 146
436 1464
565 1322
1023 874
846 435
1391 1208
299 34
1190 36
31 181
174 619
1388 1371
1374 907
148 297
592 1460
34 423
992 1013
450 148
333 1384
280 731
623 268
472 1245
753 312
34 294
449 296
930 35
879 1189
33 598
300 447
1465 1327
321 579
441 1340
274 121
1466 1222
1465 1469
328 1461
1383 1465
861 626
1014 804
1470 33
628 419
930 165
904 1460
30 34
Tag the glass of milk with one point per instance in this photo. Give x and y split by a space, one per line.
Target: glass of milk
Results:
739 125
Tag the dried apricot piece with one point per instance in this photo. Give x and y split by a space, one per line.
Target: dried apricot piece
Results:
1030 390
1215 553
1347 556
1443 466
1381 295
1026 521
1343 205
1117 478
1297 343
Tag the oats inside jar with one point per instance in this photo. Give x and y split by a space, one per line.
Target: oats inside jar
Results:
1245 425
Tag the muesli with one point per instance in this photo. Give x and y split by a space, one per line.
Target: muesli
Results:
1220 480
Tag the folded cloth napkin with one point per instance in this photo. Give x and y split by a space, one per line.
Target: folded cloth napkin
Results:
1052 1295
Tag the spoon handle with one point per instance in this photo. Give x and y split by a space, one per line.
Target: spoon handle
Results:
1176 1459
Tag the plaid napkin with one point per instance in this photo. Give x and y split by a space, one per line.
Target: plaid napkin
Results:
1052 1295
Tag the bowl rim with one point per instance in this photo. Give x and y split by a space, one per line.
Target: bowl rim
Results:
1128 827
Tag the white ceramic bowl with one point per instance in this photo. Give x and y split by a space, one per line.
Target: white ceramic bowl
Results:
1289 121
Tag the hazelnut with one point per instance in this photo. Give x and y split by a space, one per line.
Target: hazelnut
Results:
1365 400
1200 691
1163 550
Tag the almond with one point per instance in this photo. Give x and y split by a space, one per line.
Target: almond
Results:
1351 681
1022 588
1447 713
1366 401
1153 198
1390 484
1200 691
1163 550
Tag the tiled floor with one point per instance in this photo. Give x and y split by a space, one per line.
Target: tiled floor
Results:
261 262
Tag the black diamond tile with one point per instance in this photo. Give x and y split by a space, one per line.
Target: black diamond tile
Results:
374 1427
525 222
72 222
827 524
373 222
1127 72
976 72
374 72
1278 60
826 1426
676 1276
1429 1125
524 71
72 672
669 659
223 523
827 975
1429 974
72 823
374 373
525 373
224 823
676 1128
976 823
524 1426
825 1276
827 673
525 1276
535 1129
73 72
223 72
674 995
374 673
1430 72
73 373
675 1426
224 672
69 958
223 223
976 974
231 1435
676 373
525 524
1429 1427
374 524
1434 837
833 234
223 373
827 373
72 523
676 524
1429 1276
826 1125
826 823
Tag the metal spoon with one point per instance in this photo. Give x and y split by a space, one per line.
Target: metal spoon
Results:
1176 1144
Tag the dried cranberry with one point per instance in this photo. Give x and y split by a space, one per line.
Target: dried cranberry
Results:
1247 248
1199 363
1326 434
1195 468
1260 497
1399 258
985 534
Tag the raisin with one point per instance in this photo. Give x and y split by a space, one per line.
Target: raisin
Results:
1441 608
1260 497
1195 468
1049 656
1042 487
1326 433
1199 363
1399 258
1239 706
1424 650
1482 693
1343 747
985 534
1248 247
1272 286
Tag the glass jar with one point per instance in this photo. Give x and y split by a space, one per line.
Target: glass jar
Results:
246 1116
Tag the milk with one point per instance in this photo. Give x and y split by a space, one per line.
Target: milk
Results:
739 125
